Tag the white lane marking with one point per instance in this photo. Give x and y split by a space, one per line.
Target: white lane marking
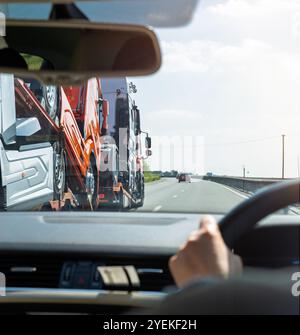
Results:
175 196
157 208
235 192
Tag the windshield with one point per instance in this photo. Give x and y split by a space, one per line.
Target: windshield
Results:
217 122
166 13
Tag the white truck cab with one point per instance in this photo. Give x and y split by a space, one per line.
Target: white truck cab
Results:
26 170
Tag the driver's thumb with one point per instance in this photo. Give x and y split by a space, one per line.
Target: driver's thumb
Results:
209 224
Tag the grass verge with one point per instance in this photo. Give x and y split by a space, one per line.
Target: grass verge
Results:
150 177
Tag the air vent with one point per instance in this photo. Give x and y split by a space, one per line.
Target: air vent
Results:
30 271
154 274
154 279
44 271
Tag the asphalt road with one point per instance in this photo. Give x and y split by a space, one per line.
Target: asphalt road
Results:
167 195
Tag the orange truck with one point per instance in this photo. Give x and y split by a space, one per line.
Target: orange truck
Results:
81 126
75 113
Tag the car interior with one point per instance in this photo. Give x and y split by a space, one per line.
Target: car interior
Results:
116 261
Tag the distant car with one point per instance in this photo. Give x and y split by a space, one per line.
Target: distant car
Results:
184 177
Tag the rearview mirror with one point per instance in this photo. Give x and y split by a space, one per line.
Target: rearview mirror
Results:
148 152
70 52
27 126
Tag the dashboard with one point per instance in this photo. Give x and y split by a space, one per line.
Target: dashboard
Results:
114 260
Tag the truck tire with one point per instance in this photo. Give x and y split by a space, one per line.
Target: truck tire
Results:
91 183
48 97
2 195
50 101
140 203
141 192
59 173
121 201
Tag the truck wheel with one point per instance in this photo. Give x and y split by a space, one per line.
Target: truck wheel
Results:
141 203
50 101
142 195
3 199
2 195
48 97
91 183
121 201
59 180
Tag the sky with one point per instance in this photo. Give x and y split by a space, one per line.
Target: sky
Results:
228 88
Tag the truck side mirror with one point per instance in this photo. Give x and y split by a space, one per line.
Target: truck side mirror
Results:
148 152
137 121
27 126
148 143
105 112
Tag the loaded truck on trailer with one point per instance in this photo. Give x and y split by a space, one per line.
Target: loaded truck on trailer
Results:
81 126
75 112
122 175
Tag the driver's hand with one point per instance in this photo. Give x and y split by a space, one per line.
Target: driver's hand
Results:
204 255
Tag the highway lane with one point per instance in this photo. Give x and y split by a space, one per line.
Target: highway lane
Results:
167 195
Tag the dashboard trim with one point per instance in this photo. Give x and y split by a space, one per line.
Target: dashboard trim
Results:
106 233
75 296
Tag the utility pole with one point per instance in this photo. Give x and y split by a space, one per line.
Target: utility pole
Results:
244 171
283 148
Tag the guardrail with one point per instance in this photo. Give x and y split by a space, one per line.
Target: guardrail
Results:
249 185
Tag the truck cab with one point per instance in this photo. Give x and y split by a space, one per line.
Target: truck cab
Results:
124 133
26 154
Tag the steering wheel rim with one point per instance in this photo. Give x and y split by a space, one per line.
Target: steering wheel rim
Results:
268 200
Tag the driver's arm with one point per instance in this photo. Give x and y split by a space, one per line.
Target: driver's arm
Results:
204 255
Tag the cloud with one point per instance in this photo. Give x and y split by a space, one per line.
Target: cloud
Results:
200 56
280 18
242 9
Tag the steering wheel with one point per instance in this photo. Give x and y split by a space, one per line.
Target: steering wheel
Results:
266 201
242 296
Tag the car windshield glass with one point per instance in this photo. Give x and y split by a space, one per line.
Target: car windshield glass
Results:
156 13
217 122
